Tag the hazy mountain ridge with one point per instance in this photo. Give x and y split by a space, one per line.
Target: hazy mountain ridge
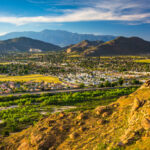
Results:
58 37
24 44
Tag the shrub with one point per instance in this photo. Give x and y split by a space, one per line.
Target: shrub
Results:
5 133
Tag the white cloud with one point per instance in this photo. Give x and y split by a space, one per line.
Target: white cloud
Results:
101 10
3 33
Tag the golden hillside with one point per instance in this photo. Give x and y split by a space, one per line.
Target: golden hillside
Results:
124 124
82 46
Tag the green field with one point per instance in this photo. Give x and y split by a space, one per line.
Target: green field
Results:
28 108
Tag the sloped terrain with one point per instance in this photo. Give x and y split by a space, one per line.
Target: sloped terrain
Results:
121 46
124 124
118 46
80 47
24 44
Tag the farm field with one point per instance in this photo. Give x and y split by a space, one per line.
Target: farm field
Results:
17 113
27 78
143 61
5 63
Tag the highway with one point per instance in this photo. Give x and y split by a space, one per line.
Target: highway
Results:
65 91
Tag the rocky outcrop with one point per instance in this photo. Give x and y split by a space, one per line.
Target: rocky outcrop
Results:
146 123
137 104
147 83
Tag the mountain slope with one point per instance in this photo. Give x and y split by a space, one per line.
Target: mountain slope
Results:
118 46
58 37
122 124
23 44
121 46
80 47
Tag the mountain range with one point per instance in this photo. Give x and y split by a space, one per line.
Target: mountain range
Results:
118 46
57 37
24 44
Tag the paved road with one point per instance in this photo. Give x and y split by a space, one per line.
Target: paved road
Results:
65 91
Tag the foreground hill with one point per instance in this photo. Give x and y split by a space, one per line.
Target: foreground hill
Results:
123 124
58 37
24 44
119 46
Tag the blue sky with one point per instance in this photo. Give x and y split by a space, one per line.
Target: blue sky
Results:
111 17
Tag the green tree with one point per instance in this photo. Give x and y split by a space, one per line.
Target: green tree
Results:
120 81
107 84
82 85
101 85
135 81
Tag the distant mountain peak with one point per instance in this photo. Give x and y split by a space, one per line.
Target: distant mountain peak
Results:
129 38
121 38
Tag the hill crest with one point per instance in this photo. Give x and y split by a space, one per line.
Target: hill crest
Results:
24 44
85 44
118 46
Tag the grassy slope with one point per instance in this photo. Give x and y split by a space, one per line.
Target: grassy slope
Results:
124 124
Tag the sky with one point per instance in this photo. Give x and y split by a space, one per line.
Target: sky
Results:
104 17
